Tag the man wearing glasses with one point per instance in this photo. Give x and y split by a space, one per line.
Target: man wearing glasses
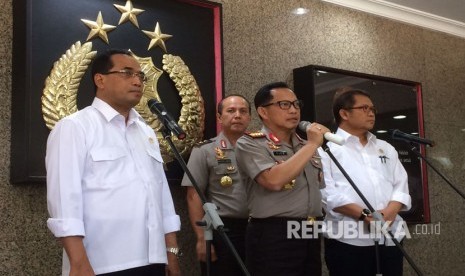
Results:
283 182
108 198
375 168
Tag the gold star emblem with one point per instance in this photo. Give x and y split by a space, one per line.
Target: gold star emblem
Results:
128 12
98 28
158 39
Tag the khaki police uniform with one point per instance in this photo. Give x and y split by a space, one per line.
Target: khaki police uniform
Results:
213 166
268 249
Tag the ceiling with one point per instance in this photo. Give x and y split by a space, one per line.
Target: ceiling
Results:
451 9
446 16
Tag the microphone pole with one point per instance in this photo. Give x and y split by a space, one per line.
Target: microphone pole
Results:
376 215
212 220
418 154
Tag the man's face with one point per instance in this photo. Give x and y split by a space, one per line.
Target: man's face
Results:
235 115
274 116
357 118
121 91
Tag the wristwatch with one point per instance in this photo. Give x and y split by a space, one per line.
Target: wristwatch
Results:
365 213
175 250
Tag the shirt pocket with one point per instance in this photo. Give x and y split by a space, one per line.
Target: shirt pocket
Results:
155 155
108 166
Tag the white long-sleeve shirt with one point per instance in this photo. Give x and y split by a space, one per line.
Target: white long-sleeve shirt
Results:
105 181
375 169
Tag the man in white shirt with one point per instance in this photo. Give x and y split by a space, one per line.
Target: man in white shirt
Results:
375 168
108 197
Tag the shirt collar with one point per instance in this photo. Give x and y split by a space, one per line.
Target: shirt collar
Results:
349 137
110 113
296 140
223 141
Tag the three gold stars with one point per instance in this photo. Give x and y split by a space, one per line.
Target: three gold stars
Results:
98 28
157 38
128 12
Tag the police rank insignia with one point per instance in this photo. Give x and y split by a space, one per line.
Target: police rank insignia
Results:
255 134
219 153
272 145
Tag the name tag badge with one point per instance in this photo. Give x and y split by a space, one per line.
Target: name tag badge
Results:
222 161
279 152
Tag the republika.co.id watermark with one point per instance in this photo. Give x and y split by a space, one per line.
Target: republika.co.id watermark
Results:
358 230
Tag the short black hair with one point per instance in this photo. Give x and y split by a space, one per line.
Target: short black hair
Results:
345 99
264 95
102 63
219 108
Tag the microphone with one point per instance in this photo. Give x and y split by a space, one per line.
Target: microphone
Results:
159 109
399 135
303 125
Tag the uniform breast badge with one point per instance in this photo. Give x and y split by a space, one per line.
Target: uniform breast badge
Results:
272 145
290 185
226 181
219 153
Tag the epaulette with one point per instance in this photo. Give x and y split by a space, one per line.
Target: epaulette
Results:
255 134
204 142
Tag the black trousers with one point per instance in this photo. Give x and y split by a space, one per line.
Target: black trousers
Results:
226 264
149 270
270 252
345 259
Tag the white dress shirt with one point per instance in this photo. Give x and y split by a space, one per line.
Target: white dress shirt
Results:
377 172
105 182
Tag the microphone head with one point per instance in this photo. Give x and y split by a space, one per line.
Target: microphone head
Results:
303 125
155 106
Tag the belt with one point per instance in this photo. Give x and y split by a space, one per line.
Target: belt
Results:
271 220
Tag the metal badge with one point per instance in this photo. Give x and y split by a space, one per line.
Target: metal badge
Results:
289 186
219 153
226 181
272 145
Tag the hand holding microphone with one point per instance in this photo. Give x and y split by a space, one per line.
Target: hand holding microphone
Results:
306 126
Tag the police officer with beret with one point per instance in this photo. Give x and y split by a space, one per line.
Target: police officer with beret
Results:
283 182
213 166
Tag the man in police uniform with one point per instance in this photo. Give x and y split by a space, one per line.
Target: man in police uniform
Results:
283 181
213 166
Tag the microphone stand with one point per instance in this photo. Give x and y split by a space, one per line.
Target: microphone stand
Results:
376 215
418 154
211 220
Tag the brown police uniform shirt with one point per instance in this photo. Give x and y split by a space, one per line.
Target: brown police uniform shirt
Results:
210 162
256 152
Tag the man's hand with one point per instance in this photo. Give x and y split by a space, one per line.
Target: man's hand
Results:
172 269
202 251
315 133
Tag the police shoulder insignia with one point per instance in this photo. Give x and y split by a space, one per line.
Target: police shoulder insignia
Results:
255 134
204 142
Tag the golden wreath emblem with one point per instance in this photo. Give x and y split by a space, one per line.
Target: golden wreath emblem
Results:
61 88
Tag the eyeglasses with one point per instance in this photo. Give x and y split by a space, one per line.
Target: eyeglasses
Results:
129 74
286 105
365 108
